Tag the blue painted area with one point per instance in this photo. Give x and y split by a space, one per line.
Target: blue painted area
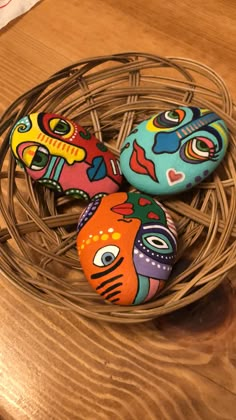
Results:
50 167
143 289
166 143
58 169
97 170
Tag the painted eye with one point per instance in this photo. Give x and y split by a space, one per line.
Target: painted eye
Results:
35 157
169 119
201 147
106 255
172 116
156 242
197 150
59 126
40 159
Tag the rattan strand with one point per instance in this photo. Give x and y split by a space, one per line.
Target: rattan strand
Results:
110 95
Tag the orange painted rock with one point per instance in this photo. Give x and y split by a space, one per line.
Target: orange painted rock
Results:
127 246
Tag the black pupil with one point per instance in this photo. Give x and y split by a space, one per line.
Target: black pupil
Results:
174 114
62 127
108 258
203 145
38 158
157 242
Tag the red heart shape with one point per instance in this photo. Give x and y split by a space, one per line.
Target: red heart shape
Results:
152 215
174 177
144 201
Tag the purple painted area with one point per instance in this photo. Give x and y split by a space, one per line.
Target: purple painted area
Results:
156 255
146 268
88 213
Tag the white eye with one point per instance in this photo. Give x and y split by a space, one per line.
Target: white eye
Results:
40 159
172 116
106 255
156 242
200 148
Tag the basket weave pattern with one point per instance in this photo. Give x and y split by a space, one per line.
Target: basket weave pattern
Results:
109 96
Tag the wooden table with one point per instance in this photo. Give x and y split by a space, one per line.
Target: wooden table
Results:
55 364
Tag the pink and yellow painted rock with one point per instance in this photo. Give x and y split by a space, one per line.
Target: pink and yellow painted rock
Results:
62 155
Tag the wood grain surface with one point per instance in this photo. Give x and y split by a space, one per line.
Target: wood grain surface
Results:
55 364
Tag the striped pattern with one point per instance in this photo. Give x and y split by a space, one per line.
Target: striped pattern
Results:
115 167
196 125
169 220
111 285
60 145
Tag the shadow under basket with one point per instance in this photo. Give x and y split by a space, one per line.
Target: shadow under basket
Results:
109 96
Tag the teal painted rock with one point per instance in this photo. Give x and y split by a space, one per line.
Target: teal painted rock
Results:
174 150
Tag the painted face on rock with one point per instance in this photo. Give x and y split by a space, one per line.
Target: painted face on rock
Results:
64 156
174 150
127 247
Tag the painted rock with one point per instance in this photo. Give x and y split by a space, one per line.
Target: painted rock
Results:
127 246
174 150
62 155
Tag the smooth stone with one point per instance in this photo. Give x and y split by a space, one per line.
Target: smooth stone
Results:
174 150
64 156
127 245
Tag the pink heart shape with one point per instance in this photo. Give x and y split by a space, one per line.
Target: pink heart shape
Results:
174 177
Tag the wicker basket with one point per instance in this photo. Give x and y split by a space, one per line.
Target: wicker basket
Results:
109 96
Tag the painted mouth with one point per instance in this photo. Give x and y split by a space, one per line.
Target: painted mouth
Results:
125 209
140 164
